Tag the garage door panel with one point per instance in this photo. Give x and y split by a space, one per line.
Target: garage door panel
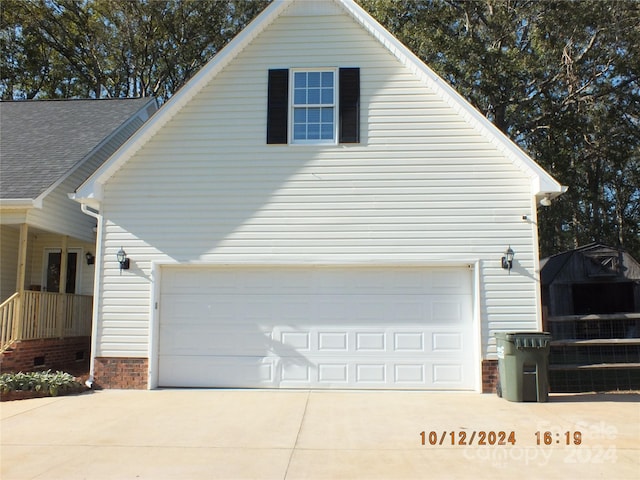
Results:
299 341
428 308
447 374
302 372
373 374
318 327
409 374
408 342
221 340
446 312
370 342
442 281
251 340
449 342
215 371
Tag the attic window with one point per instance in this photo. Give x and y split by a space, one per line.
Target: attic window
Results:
313 106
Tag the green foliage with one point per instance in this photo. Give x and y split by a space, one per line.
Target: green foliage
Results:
53 383
112 48
561 78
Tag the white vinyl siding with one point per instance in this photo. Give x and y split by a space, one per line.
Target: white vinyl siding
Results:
62 215
423 187
9 240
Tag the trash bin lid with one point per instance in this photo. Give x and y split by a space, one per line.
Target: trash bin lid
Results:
531 342
526 339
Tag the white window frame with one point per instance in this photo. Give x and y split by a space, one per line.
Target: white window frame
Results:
292 106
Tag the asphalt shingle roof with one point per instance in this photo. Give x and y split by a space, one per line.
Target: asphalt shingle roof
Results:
41 140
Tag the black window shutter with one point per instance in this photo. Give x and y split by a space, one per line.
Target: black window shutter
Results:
277 106
349 105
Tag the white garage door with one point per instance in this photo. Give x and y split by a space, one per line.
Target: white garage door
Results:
322 327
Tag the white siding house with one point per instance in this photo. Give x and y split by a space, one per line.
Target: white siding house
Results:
373 262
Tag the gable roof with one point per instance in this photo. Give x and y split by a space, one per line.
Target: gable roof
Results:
41 141
543 185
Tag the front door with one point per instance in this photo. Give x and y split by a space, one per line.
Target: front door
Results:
53 271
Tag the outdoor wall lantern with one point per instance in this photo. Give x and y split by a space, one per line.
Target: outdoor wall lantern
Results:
91 259
122 259
507 260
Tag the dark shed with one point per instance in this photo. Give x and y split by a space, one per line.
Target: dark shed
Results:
591 307
594 279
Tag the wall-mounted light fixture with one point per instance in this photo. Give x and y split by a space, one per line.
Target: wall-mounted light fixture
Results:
545 201
91 259
122 259
507 260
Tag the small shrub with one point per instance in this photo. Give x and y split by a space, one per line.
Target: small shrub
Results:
46 382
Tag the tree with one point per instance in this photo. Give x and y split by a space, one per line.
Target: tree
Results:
112 48
560 79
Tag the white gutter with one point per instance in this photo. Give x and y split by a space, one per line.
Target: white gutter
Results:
96 291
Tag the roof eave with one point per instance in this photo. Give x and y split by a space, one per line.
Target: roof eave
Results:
20 203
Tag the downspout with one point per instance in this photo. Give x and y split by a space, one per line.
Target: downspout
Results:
97 282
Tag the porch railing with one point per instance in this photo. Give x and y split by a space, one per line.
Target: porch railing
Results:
33 315
8 320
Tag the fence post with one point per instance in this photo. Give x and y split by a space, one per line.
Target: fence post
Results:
13 315
17 317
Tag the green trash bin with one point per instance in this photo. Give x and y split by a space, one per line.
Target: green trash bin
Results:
523 366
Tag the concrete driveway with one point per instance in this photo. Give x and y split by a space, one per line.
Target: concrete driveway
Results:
268 434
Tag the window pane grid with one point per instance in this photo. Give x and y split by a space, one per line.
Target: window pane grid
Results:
313 123
313 105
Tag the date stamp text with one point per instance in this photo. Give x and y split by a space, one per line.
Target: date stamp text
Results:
588 443
464 438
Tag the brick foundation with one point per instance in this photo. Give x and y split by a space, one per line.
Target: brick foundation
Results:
489 376
66 354
128 373
132 373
